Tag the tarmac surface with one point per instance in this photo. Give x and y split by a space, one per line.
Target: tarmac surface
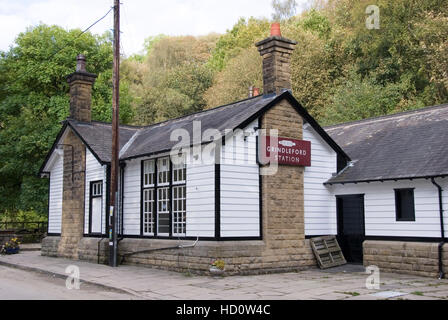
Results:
28 275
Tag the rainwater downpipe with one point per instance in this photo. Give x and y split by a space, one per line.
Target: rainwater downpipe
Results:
180 246
442 230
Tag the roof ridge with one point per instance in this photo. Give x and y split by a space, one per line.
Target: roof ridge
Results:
387 116
204 111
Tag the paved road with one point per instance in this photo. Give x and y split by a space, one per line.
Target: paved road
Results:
23 285
340 283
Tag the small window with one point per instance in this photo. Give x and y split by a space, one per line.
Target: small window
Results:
163 168
97 189
404 205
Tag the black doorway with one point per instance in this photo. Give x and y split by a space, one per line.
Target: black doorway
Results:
351 229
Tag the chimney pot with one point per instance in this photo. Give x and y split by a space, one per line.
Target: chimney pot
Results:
81 83
275 30
81 63
276 53
256 92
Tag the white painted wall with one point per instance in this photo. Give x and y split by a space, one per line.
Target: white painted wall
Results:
94 172
200 200
56 189
320 203
131 197
379 206
240 202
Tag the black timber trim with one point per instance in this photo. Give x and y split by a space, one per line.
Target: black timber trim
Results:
304 114
53 234
217 200
90 204
123 167
400 238
142 163
175 238
385 179
107 200
260 184
390 238
87 145
66 124
55 143
48 209
170 192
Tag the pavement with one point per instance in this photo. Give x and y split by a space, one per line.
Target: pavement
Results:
346 282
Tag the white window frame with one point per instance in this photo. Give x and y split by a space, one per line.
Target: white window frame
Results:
161 201
163 171
179 210
148 212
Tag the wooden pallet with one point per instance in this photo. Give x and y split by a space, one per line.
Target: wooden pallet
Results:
327 251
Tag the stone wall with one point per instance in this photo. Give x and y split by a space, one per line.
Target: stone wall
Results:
50 246
416 258
73 196
282 199
241 257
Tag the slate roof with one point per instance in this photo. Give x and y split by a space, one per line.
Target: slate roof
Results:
153 139
142 141
412 144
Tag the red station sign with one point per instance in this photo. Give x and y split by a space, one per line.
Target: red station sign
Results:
284 151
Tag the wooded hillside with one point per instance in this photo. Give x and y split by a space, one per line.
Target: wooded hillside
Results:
341 71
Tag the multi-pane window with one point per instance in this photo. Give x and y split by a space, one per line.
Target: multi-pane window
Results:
164 198
148 197
179 173
163 169
163 210
97 189
148 212
149 171
404 205
179 210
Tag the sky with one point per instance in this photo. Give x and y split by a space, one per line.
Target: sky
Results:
139 18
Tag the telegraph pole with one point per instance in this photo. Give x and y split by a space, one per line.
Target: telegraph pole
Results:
115 142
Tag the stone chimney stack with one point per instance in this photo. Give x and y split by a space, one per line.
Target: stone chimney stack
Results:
276 52
81 83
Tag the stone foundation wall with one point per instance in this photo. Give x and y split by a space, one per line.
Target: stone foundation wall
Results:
50 246
241 257
416 258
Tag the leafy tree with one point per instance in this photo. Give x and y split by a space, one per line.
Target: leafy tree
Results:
171 80
34 100
283 9
233 82
243 35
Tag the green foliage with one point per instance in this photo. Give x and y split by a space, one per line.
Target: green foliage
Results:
364 98
22 216
316 22
243 35
233 82
34 100
283 9
341 71
171 80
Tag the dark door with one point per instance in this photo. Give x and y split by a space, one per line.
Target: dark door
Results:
351 231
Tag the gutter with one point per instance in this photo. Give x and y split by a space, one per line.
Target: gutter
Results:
442 230
180 246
